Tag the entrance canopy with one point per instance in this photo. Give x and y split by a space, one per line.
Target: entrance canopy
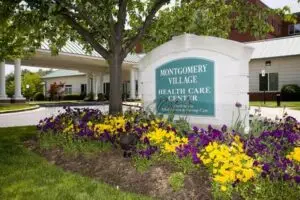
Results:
73 57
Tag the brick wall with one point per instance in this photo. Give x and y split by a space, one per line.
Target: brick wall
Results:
285 27
275 21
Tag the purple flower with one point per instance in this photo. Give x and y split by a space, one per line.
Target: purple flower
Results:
210 128
195 158
286 177
146 140
195 129
224 128
255 163
297 179
266 167
277 133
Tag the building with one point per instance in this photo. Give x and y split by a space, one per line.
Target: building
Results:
78 83
290 29
274 63
278 59
275 21
72 57
281 27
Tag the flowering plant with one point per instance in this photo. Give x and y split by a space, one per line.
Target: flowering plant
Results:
233 159
229 163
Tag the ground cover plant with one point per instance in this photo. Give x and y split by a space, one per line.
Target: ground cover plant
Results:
25 175
294 105
264 164
14 107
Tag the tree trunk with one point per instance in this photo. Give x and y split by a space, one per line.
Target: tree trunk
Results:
115 97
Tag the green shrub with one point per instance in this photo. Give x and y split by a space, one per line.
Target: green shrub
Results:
101 97
125 96
267 189
133 100
176 180
142 164
290 92
39 96
72 146
74 97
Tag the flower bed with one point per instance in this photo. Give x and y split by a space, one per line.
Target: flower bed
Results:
263 165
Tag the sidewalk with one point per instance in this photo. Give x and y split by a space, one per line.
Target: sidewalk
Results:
273 112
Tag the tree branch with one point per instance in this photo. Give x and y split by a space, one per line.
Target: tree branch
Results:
86 35
121 19
84 17
141 31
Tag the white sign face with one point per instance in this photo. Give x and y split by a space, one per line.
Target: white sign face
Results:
230 77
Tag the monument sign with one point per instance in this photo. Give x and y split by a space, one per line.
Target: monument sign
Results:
199 77
186 86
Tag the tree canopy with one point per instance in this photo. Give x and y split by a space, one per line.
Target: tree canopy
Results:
114 27
33 80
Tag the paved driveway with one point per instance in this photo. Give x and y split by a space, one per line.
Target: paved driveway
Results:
34 116
273 112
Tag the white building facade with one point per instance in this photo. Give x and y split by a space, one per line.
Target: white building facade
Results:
89 71
274 63
77 83
277 59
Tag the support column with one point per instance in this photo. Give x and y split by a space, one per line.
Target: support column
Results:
100 86
18 96
139 94
132 84
44 84
95 87
3 96
88 85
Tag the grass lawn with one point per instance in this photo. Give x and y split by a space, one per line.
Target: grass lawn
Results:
12 107
53 102
272 104
25 175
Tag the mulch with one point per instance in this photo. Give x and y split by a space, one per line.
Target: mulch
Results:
112 168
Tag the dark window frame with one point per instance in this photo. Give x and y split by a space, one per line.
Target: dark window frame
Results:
270 82
68 89
294 29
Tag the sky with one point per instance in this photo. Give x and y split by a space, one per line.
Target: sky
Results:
293 4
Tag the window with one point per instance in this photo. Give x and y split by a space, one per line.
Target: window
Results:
83 89
297 28
136 87
106 87
294 29
269 82
68 89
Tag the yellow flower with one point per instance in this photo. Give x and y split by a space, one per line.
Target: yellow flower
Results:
206 161
223 188
170 148
294 155
184 140
90 124
69 129
166 140
228 162
209 148
221 179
